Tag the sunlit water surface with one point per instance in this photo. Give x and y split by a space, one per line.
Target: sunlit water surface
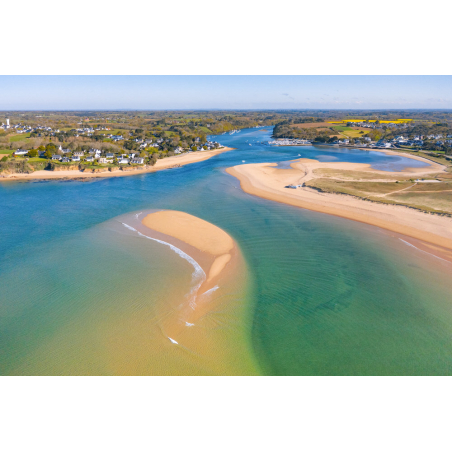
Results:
314 295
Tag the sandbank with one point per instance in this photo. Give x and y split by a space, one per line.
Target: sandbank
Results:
166 163
266 181
213 247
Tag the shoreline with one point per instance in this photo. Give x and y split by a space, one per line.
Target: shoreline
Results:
175 161
266 181
211 248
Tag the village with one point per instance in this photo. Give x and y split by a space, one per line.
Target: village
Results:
145 150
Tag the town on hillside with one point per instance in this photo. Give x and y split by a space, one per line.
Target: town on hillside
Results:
31 141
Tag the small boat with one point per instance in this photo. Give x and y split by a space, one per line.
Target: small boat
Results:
249 144
243 161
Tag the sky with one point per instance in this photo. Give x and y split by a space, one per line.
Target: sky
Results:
224 92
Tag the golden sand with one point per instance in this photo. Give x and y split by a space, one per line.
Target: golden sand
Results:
266 181
214 245
166 163
194 333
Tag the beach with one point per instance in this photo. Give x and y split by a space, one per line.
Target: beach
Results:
161 164
215 245
267 181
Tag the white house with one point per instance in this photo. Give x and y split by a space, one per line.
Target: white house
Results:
20 152
138 161
76 158
123 161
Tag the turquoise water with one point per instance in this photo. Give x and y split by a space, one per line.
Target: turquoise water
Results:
324 295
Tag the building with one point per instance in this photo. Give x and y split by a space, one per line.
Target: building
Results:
138 161
20 152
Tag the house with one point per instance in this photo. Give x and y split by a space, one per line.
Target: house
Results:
178 150
109 155
56 157
76 158
89 159
79 154
138 161
123 161
132 155
20 152
65 160
104 160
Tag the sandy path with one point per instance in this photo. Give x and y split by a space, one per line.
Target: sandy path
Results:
266 181
169 162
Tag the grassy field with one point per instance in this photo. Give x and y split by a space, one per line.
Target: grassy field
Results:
19 137
311 125
428 197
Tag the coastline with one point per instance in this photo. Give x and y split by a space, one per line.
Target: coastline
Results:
167 163
266 181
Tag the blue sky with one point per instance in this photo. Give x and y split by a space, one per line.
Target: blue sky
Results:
228 92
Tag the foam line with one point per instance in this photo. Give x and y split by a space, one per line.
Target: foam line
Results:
426 252
198 270
197 274
211 290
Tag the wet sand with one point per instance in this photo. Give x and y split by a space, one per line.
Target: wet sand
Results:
205 237
193 329
266 181
166 163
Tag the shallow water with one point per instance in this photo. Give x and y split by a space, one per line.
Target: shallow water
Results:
315 294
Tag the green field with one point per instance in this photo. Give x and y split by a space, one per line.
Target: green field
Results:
19 137
341 128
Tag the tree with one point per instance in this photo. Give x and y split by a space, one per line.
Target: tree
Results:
32 153
50 147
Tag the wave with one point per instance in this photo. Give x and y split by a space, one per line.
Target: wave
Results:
210 290
426 252
197 276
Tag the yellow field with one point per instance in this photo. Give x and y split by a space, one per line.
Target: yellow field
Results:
394 121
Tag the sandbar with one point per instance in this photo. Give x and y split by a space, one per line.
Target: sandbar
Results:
266 181
215 245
